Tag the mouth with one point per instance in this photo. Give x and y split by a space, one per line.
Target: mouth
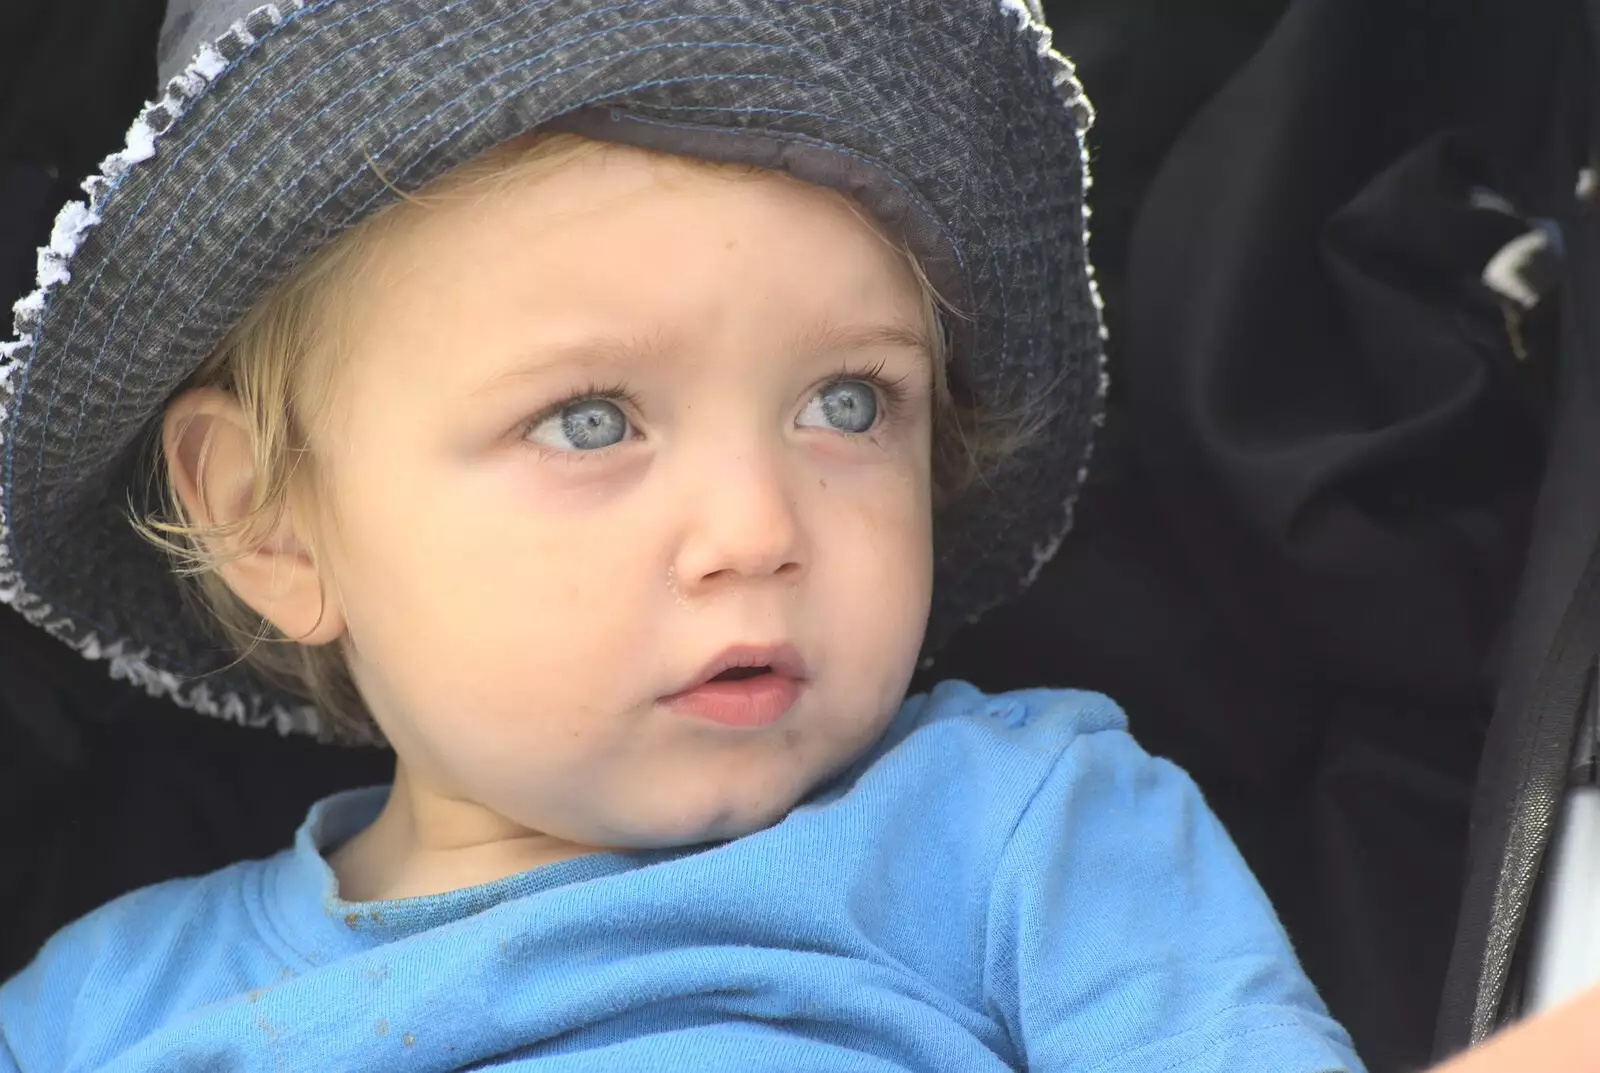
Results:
742 674
744 687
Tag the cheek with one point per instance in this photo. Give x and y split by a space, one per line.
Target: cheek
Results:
881 533
470 600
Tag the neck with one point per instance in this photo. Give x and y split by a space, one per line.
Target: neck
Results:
425 842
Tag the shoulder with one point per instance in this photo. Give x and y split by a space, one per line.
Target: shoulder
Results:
1010 741
105 979
976 760
1126 932
1026 719
1064 761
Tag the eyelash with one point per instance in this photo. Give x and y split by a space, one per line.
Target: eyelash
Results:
894 392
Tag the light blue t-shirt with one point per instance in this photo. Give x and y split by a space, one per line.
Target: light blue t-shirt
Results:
1003 883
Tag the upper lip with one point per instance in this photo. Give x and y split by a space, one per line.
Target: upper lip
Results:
783 659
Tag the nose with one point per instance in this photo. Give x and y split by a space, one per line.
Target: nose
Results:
741 522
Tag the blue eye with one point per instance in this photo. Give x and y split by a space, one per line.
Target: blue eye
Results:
843 406
585 425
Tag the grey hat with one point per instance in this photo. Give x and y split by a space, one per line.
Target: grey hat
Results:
953 121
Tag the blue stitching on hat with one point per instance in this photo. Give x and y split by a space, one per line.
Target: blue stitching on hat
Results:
184 151
272 105
27 368
955 248
909 191
248 131
196 230
750 111
479 115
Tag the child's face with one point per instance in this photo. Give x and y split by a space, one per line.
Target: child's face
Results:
524 586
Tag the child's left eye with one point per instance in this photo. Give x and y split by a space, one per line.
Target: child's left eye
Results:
586 425
844 406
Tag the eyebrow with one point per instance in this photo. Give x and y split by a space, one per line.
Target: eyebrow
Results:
826 336
588 353
816 337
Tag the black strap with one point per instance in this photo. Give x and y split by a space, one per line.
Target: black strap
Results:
1500 892
1554 642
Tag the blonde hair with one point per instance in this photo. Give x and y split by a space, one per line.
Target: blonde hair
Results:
277 362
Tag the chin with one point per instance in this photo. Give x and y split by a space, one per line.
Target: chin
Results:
715 824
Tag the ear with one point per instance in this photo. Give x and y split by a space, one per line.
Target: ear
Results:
207 441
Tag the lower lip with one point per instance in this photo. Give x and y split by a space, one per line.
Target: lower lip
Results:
747 705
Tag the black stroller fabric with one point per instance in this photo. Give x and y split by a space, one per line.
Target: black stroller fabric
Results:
1347 428
1296 561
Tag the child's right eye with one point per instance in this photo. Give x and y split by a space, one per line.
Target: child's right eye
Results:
849 406
590 424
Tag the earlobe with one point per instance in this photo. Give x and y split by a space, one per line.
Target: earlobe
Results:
258 549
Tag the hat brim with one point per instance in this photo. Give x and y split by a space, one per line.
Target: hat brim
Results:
956 121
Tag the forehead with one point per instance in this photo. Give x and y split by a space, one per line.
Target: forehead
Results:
618 241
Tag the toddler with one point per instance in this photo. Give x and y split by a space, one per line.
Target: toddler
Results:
607 406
